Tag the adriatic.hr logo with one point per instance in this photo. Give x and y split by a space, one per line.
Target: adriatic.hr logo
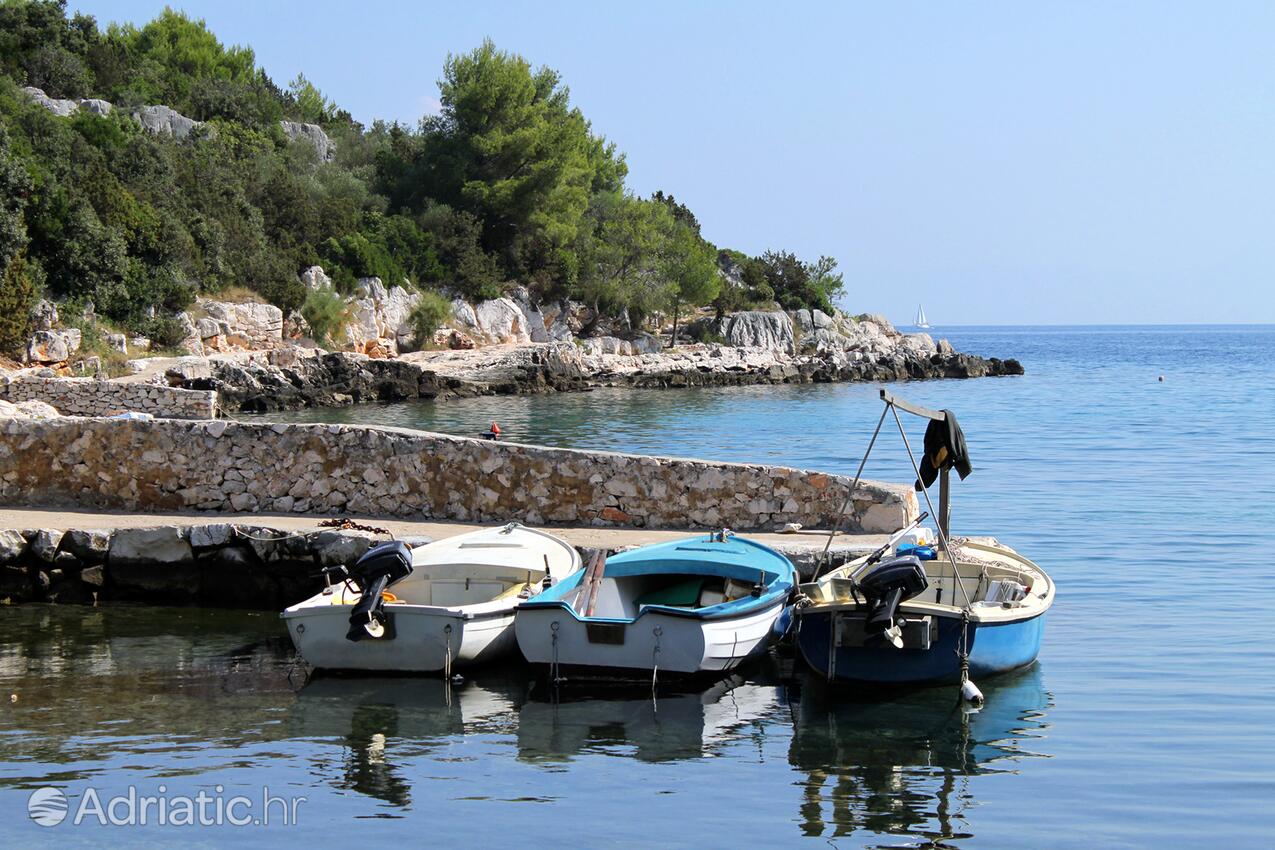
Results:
47 806
51 806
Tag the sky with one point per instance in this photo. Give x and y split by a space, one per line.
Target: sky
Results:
1001 163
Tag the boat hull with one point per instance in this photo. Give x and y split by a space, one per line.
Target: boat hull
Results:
994 648
653 643
424 639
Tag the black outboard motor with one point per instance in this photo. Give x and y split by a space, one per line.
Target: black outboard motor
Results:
380 566
886 586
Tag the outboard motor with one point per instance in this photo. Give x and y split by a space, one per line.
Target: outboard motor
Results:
886 586
380 566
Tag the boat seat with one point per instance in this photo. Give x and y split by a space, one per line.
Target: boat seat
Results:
683 594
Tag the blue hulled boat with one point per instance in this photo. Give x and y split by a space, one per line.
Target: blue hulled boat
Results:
1000 629
921 614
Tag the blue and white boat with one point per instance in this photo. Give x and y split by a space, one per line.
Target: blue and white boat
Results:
929 633
692 607
910 614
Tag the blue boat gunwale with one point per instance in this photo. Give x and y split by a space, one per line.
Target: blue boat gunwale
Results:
780 578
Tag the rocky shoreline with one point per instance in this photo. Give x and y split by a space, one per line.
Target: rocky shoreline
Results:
259 361
295 379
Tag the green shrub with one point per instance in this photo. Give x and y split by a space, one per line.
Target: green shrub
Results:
17 299
164 331
428 315
327 314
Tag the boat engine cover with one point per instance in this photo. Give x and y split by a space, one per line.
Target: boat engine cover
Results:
885 587
904 573
380 566
392 560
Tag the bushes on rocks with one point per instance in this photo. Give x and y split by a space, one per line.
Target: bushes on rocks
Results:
326 313
429 314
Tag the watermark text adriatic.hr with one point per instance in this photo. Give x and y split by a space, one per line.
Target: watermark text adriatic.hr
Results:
51 807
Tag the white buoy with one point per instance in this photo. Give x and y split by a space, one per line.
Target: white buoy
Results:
970 693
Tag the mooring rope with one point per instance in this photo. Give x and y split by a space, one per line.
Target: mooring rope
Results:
553 663
447 662
655 660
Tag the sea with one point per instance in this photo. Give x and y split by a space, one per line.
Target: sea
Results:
1135 464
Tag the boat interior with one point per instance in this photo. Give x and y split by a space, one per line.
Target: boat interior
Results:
451 585
994 579
627 586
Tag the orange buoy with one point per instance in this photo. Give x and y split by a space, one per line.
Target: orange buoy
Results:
495 429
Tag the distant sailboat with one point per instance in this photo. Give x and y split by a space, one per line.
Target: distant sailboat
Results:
920 318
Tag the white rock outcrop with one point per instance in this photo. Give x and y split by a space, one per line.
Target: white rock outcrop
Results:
27 410
497 321
62 108
53 346
166 121
245 326
379 318
760 329
312 134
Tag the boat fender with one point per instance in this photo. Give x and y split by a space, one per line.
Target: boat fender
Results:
970 693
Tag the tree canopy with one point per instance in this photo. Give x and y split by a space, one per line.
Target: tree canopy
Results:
508 184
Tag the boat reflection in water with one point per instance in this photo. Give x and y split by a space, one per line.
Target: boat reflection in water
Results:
631 724
902 766
382 723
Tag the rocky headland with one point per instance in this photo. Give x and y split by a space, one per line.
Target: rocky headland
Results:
258 360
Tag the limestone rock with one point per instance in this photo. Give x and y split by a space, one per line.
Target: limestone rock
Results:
53 346
166 121
314 135
163 544
118 342
315 278
532 319
296 327
32 409
12 545
380 314
187 369
45 544
61 108
641 343
96 106
247 325
496 321
45 316
88 545
760 329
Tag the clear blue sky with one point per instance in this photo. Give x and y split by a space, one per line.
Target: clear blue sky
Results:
1000 162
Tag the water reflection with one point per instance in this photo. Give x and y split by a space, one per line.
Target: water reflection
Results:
904 765
383 722
119 695
662 728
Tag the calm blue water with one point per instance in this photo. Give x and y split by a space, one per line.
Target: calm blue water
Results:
1146 723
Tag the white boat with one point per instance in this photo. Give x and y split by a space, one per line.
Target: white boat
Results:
697 606
921 321
445 605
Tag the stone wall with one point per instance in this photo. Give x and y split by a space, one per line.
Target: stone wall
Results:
91 397
233 466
